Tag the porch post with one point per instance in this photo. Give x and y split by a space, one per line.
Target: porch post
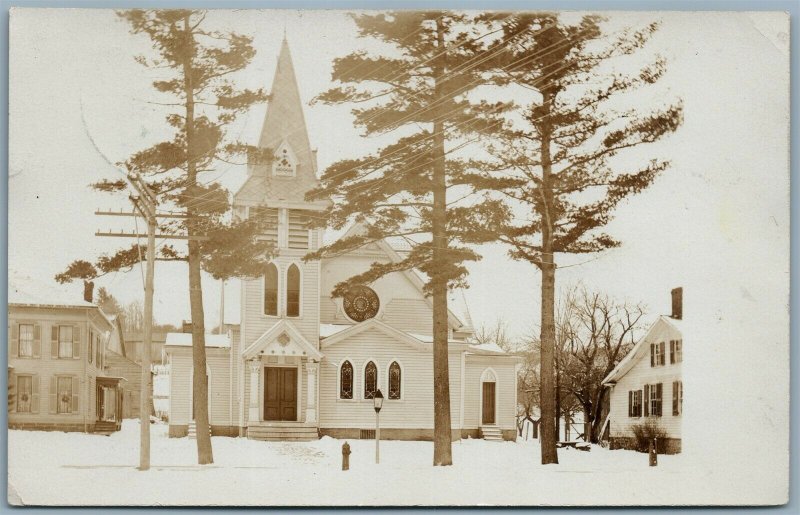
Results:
255 364
311 387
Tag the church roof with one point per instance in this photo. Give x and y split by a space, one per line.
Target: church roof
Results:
284 127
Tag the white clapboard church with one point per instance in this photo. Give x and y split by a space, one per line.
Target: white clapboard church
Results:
302 364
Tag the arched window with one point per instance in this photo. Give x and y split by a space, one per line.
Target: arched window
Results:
346 381
370 380
293 291
271 290
395 378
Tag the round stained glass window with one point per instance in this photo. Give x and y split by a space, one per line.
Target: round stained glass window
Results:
361 303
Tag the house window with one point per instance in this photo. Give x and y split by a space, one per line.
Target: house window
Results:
652 399
271 290
657 354
64 401
635 403
395 378
293 291
677 398
65 341
346 381
675 351
370 380
24 393
26 340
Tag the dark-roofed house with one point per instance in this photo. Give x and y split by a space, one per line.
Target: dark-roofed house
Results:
56 355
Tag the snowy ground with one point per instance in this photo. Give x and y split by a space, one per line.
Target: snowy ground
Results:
81 469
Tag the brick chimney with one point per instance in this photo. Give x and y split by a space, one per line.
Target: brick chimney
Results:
677 303
187 327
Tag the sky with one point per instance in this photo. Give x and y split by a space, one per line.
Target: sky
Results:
79 102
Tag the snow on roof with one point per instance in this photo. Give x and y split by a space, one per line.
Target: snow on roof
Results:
326 330
185 340
487 348
27 290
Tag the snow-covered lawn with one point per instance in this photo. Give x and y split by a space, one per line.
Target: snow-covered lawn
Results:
82 469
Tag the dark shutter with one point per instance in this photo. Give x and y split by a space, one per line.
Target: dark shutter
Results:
53 393
76 395
639 395
13 340
630 403
652 355
662 353
658 399
672 351
54 341
76 342
675 398
646 401
37 340
35 394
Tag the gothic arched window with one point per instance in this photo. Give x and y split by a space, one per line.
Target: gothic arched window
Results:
395 378
346 381
271 290
293 291
370 380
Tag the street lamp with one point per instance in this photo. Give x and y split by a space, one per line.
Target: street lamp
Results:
377 401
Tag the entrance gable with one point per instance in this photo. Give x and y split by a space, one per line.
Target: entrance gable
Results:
282 339
374 325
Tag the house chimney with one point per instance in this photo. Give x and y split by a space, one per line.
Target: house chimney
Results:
677 303
187 327
88 291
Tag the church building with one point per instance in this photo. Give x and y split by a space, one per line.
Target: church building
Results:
301 363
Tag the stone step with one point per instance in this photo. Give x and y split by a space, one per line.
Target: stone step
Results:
492 433
283 429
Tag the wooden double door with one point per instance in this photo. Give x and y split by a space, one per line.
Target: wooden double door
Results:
280 393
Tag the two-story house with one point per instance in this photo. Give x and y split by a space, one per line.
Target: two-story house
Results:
56 358
305 363
648 385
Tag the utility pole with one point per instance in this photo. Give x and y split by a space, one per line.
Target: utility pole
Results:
145 203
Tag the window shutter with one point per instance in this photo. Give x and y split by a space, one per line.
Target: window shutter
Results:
630 403
639 394
672 351
54 341
652 355
53 394
76 342
37 340
35 394
675 398
76 395
13 340
662 354
658 398
12 392
646 402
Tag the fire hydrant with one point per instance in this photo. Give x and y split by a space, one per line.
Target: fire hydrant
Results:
346 456
653 452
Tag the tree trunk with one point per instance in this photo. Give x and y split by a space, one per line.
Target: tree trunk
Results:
597 417
199 377
442 435
558 410
547 266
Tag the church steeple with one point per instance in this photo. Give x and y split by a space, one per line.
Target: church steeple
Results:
284 132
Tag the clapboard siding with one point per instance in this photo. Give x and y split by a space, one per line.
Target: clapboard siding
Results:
413 411
412 315
640 374
46 366
505 370
120 366
256 323
218 362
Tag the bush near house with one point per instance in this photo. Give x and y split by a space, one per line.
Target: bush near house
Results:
644 434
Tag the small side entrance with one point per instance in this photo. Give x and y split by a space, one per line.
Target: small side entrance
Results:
488 404
280 393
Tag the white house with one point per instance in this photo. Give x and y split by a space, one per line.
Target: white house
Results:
302 363
647 384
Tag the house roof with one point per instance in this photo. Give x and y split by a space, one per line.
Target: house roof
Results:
641 347
26 290
185 340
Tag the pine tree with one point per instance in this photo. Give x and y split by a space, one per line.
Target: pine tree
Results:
560 156
199 62
415 187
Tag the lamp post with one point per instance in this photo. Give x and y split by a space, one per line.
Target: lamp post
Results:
377 401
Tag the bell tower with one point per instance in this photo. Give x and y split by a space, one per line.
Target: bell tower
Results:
275 192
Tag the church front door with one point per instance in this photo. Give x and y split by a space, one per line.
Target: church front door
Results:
280 393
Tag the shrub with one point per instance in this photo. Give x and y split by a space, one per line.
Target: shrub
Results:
644 434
